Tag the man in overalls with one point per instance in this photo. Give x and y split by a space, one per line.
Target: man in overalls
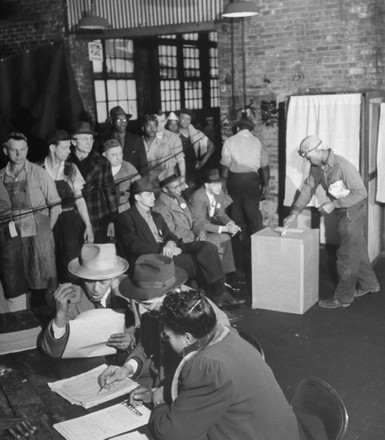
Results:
73 227
35 209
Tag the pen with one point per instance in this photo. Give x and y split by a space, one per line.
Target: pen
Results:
100 389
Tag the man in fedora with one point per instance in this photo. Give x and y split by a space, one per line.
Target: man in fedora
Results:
153 277
140 231
132 144
97 269
99 191
207 206
245 164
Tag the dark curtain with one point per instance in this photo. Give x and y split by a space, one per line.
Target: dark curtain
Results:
38 93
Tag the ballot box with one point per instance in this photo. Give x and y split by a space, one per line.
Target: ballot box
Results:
285 269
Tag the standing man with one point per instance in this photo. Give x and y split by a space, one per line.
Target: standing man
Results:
35 209
163 149
348 195
73 227
99 191
245 164
197 148
133 147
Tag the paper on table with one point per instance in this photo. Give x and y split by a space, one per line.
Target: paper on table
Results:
84 389
89 332
105 423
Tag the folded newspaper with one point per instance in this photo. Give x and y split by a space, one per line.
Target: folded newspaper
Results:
84 388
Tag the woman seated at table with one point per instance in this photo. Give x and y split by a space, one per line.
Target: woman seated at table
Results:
222 388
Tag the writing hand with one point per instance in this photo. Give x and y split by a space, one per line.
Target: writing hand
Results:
112 374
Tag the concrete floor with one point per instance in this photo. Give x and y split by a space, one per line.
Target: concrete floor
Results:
345 347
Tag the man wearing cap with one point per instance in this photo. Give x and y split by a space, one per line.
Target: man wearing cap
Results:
99 191
123 172
172 123
163 148
207 206
197 148
73 226
245 164
35 209
347 193
133 147
141 231
153 277
97 270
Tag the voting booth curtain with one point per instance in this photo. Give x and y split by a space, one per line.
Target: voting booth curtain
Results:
38 94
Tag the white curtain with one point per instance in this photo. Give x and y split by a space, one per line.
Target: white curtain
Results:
336 119
380 196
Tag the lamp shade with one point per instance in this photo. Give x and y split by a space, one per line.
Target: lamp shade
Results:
93 22
238 9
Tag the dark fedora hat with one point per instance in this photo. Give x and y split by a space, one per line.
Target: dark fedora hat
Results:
83 127
212 176
166 176
245 122
118 111
144 184
153 276
58 135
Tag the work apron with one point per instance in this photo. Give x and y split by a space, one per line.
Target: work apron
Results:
36 238
67 232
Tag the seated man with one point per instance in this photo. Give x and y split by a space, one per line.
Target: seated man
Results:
222 388
207 206
153 277
98 269
141 231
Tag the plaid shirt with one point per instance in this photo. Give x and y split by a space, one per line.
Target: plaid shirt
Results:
99 191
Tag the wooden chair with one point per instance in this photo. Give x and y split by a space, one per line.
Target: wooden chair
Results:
253 341
315 397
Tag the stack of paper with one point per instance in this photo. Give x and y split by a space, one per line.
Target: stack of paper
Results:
84 389
106 423
18 331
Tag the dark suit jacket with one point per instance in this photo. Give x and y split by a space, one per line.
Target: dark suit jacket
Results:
134 236
135 152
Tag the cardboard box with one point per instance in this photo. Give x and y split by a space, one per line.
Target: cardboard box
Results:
285 270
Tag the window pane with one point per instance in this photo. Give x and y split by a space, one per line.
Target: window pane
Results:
101 111
100 91
112 90
97 66
131 89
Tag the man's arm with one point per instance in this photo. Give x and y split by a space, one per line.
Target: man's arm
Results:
198 206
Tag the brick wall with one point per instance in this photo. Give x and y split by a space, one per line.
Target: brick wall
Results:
25 24
299 47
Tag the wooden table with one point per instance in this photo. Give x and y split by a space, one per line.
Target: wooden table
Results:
24 392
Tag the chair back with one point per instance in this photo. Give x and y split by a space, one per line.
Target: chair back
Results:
317 398
252 341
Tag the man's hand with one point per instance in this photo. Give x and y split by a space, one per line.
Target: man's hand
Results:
289 220
327 208
140 395
170 249
231 228
63 296
111 230
122 341
264 192
17 427
88 234
113 374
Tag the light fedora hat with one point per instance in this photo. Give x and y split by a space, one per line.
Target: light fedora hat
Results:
154 275
98 262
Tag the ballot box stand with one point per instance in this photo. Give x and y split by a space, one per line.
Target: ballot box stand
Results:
285 269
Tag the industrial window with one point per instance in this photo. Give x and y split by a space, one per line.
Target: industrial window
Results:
114 82
188 71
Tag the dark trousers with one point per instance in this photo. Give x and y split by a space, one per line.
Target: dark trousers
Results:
353 265
201 261
244 189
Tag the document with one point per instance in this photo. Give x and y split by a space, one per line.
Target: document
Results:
106 424
89 332
84 389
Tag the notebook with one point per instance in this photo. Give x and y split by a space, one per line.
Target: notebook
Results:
84 389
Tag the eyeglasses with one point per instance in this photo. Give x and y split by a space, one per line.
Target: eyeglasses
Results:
121 120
